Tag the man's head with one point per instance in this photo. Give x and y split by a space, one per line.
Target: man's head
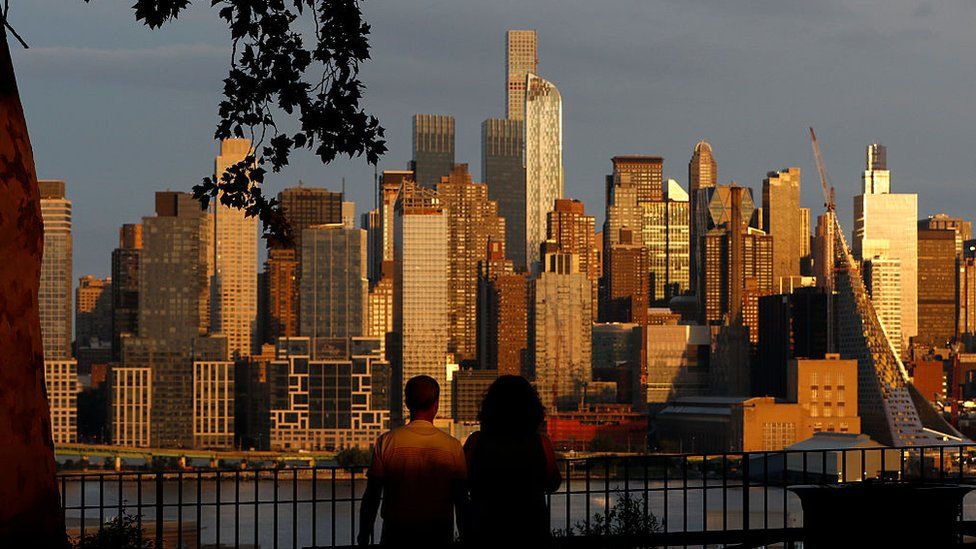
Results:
421 395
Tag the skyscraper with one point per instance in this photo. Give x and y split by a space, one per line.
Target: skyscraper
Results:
503 312
307 206
573 233
804 234
420 289
125 286
543 160
823 251
503 169
665 226
521 59
961 227
380 306
561 331
54 295
702 174
936 286
646 175
790 326
472 221
61 384
333 285
882 279
781 220
234 286
886 224
93 311
433 148
627 282
281 273
966 315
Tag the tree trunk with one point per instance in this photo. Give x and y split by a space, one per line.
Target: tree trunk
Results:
30 511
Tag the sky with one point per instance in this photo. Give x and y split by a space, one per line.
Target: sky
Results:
120 111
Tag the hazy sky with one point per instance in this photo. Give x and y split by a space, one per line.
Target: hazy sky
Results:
119 111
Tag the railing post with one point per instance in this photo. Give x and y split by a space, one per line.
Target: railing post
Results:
745 492
159 509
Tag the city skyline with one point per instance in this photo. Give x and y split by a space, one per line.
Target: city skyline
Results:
111 179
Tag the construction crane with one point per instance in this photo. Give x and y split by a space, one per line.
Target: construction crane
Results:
831 218
828 191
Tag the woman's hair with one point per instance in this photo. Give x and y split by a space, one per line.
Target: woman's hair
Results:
511 407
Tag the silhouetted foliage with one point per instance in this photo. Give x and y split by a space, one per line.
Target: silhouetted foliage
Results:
275 81
122 532
625 519
349 458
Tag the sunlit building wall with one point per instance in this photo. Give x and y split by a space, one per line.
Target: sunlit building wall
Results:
54 294
543 160
521 59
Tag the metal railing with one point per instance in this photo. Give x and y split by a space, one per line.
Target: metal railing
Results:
665 499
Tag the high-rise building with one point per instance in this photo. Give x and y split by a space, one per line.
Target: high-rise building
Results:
665 226
307 206
804 235
131 405
472 221
677 360
886 224
962 228
966 315
882 278
213 404
823 251
715 209
781 220
234 286
503 315
281 291
125 286
93 311
702 174
623 214
420 289
736 265
646 175
561 332
543 160
433 148
503 169
573 233
380 306
61 383
333 284
521 59
790 326
936 286
330 402
627 282
54 295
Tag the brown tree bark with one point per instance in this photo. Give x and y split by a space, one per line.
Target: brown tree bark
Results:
30 511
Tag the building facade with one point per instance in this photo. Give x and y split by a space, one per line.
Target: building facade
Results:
131 406
213 404
503 315
125 286
936 287
433 148
677 358
781 219
503 169
521 59
543 160
882 277
61 382
702 174
646 174
333 284
665 234
573 232
54 294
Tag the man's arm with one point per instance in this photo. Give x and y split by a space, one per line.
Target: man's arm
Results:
369 509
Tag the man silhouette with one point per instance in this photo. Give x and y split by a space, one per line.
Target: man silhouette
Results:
420 473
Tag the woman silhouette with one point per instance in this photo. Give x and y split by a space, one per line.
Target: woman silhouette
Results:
511 468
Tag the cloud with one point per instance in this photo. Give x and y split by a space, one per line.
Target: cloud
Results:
189 67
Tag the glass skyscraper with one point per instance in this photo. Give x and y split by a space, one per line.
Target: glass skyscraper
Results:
543 160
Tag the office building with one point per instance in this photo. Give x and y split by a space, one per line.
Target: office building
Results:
420 289
379 321
235 298
616 358
561 334
572 231
468 392
702 174
791 326
805 238
472 221
960 227
677 358
280 280
54 293
665 228
823 251
213 404
966 315
730 424
781 220
125 286
304 207
882 278
827 389
627 283
503 315
130 406
503 169
327 403
333 284
543 160
61 383
937 276
433 148
886 225
521 59
646 175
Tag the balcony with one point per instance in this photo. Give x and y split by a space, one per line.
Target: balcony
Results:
621 501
